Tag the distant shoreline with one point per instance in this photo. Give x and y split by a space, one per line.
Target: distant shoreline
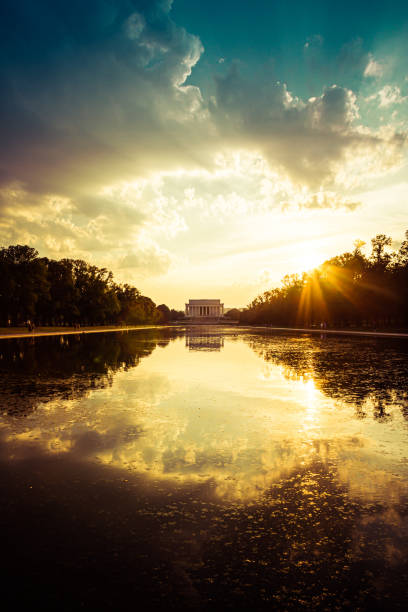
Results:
16 332
38 332
343 332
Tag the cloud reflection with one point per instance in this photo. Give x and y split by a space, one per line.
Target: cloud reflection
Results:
218 417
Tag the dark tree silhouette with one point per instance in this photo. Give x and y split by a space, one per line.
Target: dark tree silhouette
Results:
165 312
234 313
65 292
347 290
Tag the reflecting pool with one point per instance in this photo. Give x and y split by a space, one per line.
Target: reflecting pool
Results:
205 468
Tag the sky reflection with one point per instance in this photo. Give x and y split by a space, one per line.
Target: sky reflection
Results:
210 408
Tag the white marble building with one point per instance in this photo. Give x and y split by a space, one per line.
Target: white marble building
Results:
210 309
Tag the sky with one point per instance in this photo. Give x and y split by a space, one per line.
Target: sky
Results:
202 149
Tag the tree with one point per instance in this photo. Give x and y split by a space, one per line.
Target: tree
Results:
24 283
233 314
349 289
379 256
61 305
65 292
164 312
177 315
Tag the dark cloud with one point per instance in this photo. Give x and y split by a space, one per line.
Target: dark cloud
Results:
91 90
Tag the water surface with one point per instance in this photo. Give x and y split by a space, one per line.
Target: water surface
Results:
206 468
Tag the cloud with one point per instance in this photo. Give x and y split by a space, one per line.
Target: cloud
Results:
390 94
373 68
149 259
241 185
335 110
307 140
313 41
110 230
327 200
97 95
95 91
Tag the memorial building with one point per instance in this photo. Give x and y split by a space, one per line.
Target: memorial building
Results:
210 309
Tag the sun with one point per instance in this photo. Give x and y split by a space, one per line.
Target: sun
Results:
307 259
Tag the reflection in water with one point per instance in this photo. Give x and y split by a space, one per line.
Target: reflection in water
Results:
35 371
369 373
203 340
271 474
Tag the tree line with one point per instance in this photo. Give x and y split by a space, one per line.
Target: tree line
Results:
67 292
349 290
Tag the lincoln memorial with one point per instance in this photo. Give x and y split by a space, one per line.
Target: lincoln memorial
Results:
211 309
